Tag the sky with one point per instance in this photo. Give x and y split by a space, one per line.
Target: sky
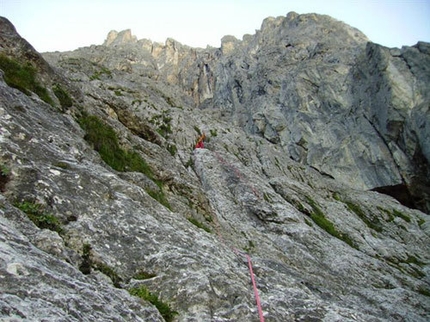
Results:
60 25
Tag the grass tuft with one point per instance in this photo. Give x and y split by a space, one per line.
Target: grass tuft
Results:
172 149
373 223
105 141
99 73
165 310
142 275
63 96
37 215
401 215
160 196
198 224
23 78
109 272
319 218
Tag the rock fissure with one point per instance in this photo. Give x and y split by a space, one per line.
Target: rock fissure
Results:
387 145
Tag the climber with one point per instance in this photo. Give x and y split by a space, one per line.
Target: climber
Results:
200 144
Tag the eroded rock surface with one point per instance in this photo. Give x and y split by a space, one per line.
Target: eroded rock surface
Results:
301 119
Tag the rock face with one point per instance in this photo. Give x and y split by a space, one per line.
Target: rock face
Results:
105 193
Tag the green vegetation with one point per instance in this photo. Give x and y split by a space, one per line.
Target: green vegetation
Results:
336 196
387 212
250 247
423 291
62 95
102 71
267 197
401 215
397 213
142 275
412 270
197 130
172 149
190 163
4 176
318 217
109 272
105 141
164 128
136 102
373 223
414 260
23 77
213 132
88 263
198 224
159 195
41 219
166 312
162 121
62 165
297 205
4 170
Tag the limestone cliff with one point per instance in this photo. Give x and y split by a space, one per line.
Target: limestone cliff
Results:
103 196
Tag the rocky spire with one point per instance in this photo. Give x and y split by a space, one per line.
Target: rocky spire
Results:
115 38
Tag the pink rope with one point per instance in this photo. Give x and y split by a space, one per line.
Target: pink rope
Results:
257 297
236 251
237 173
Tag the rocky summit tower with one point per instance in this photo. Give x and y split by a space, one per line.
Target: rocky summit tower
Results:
307 198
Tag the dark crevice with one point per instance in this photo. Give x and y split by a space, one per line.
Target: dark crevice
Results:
4 179
400 192
325 174
413 191
388 147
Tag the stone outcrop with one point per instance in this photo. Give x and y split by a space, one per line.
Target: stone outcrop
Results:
395 101
303 119
313 85
115 38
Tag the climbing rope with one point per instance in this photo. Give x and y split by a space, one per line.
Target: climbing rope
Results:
254 285
237 173
235 250
251 271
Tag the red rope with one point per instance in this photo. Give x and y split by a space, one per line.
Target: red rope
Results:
236 251
237 173
254 285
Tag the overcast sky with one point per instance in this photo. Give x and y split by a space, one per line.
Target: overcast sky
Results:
51 25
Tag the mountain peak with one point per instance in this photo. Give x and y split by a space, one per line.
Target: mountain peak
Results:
300 120
311 27
115 38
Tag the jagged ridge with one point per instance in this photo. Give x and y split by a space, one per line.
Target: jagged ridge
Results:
264 184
